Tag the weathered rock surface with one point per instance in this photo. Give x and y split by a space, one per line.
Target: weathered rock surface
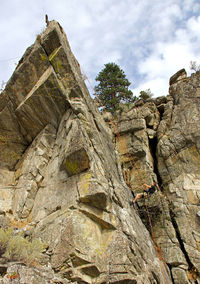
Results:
179 165
61 173
167 151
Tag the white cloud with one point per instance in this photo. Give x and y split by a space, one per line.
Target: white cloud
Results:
159 86
169 55
150 40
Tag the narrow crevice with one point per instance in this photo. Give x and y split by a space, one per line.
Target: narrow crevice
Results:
96 124
3 269
153 148
170 270
178 236
161 109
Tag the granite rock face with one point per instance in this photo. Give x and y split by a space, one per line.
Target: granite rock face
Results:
61 177
179 165
159 141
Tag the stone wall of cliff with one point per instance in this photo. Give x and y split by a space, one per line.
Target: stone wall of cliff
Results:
162 145
66 175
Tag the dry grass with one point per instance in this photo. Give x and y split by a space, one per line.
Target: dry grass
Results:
14 247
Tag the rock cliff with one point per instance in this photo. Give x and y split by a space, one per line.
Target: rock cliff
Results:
66 172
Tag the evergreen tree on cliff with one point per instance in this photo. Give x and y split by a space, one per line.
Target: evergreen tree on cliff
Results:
113 87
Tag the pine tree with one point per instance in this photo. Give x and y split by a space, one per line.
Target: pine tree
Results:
113 87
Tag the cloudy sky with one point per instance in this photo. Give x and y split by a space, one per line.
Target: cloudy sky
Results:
149 40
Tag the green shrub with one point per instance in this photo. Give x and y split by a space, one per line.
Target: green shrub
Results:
144 95
14 247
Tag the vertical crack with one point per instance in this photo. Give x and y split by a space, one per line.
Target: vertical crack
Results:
170 269
153 148
191 268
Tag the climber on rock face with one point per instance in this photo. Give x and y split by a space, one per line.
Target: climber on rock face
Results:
148 191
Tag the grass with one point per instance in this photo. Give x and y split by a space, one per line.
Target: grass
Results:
14 247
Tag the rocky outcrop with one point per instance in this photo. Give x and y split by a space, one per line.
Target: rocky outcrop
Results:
159 141
67 172
179 167
61 179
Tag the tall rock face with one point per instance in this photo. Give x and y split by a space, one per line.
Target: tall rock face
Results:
178 155
159 141
61 180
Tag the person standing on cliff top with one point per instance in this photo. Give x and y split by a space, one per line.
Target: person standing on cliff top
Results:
148 191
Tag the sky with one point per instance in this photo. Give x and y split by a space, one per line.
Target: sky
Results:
149 40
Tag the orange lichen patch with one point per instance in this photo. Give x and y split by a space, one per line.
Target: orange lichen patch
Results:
18 223
3 139
35 263
193 274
